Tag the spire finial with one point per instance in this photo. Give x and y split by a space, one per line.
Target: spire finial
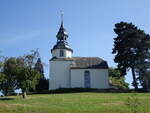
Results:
62 14
62 34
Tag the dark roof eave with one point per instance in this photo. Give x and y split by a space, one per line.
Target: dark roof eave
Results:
60 59
87 68
62 48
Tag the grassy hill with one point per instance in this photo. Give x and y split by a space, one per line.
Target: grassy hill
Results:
73 103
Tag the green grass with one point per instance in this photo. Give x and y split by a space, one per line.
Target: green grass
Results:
73 103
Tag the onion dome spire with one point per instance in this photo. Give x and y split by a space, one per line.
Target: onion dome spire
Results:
62 34
62 38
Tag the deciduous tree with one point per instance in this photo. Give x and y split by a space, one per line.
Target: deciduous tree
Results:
9 82
27 76
117 80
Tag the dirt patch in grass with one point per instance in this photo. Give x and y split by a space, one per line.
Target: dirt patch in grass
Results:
113 103
11 106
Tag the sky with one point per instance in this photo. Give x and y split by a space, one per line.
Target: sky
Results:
26 25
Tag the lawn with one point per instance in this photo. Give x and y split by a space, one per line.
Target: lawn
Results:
73 103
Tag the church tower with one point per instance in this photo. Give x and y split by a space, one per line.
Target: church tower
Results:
62 48
60 61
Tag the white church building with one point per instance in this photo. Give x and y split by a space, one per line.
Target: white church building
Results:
67 71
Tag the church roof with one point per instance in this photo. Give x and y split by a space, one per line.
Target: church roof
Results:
85 62
62 33
62 45
88 62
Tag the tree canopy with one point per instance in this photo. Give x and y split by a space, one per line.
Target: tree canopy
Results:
43 82
8 75
27 76
130 49
20 72
117 80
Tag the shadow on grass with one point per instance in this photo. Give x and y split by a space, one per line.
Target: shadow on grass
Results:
80 90
5 98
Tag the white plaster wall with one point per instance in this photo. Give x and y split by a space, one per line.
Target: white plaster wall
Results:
67 53
59 74
55 53
99 78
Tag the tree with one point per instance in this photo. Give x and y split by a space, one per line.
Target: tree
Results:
8 77
39 66
1 64
116 79
27 76
2 76
143 65
126 44
43 82
2 79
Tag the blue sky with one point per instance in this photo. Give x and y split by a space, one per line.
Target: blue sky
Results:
29 24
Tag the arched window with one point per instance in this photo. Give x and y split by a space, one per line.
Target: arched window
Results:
87 79
61 54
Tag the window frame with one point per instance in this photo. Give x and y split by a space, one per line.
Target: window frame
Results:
87 79
61 53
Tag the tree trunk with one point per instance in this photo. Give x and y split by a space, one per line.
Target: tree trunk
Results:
24 95
134 79
6 92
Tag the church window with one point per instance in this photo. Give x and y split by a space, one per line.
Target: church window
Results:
87 81
61 53
87 73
